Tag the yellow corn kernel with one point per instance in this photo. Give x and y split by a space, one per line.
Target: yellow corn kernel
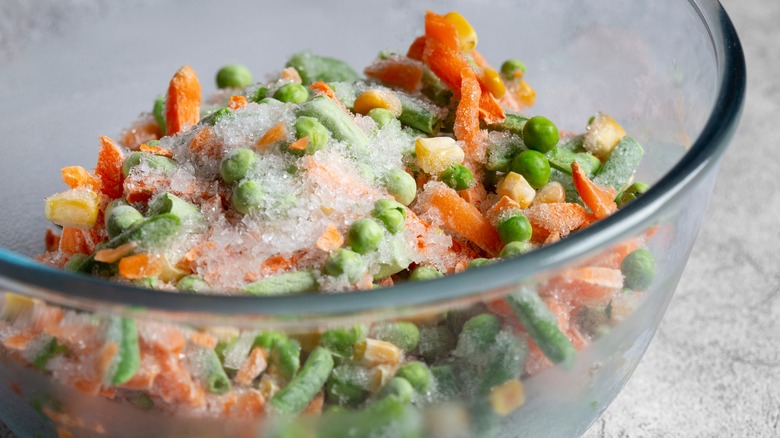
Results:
507 397
76 208
467 36
436 154
308 340
268 386
516 188
171 274
602 135
374 352
379 376
550 193
14 305
376 98
493 82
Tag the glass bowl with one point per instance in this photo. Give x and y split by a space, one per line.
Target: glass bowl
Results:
671 72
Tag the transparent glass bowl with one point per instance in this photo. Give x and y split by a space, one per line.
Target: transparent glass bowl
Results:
670 71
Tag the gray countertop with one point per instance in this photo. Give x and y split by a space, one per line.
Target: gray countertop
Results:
713 368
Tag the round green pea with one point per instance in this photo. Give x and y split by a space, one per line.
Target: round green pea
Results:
292 93
192 283
417 374
516 228
638 269
398 387
269 101
534 167
259 95
247 196
457 177
233 76
236 165
516 248
218 115
401 186
540 134
632 192
120 218
391 214
344 261
316 131
424 273
381 116
478 263
364 236
510 66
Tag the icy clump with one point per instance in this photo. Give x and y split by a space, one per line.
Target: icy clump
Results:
243 128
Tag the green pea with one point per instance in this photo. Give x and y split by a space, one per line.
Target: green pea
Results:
516 228
121 218
218 115
401 185
259 95
404 335
382 117
458 177
632 192
233 76
236 165
316 131
534 167
513 249
540 134
269 101
75 262
423 273
247 196
511 66
192 283
417 374
159 112
391 214
638 268
364 236
292 93
344 261
478 263
398 387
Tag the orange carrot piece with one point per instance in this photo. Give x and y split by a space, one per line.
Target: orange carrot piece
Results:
599 199
110 255
315 405
417 48
276 133
437 28
465 219
589 285
403 73
237 102
182 106
446 63
504 204
249 404
18 341
291 73
107 353
365 283
142 130
109 168
467 114
330 239
300 144
156 150
479 59
614 256
279 263
51 240
204 144
188 262
139 266
74 241
489 109
77 176
255 364
205 340
324 89
558 217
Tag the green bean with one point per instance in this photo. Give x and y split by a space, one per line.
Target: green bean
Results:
120 218
513 123
313 68
505 360
435 342
446 386
237 164
542 326
282 284
75 262
210 371
168 203
338 122
621 164
434 89
632 192
51 349
286 357
124 334
416 116
348 385
341 341
294 397
417 374
267 340
192 283
382 117
561 158
477 336
404 335
259 94
159 112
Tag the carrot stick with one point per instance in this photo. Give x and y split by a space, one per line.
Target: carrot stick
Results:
77 176
397 72
182 106
464 219
467 114
156 150
204 144
300 144
109 168
276 133
600 200
437 28
446 63
558 217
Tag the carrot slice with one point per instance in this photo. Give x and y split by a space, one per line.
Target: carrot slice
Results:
489 109
599 199
248 404
437 28
156 150
276 133
464 219
589 285
237 102
558 217
300 144
182 107
446 63
139 266
74 241
110 255
397 72
109 168
330 239
417 48
77 176
467 114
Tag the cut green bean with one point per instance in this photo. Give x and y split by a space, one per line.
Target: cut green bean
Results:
513 123
282 284
313 68
338 122
120 218
286 357
192 283
294 397
267 340
561 158
123 333
341 341
404 335
446 386
348 385
542 326
210 371
51 349
621 164
415 115
435 342
477 336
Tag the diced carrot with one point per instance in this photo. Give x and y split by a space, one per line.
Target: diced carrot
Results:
560 217
504 204
74 241
475 195
479 59
315 405
463 256
237 102
77 176
446 63
110 255
188 262
143 379
139 266
365 283
182 106
599 199
613 257
323 88
106 356
300 144
164 340
437 28
204 144
467 114
276 133
141 131
330 239
278 263
18 341
203 339
464 219
175 385
255 364
417 48
403 73
587 285
249 403
291 73
52 240
489 109
109 168
156 150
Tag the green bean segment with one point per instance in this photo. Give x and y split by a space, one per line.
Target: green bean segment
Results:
294 397
282 284
542 326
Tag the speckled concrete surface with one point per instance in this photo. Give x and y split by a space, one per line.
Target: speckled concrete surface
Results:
714 367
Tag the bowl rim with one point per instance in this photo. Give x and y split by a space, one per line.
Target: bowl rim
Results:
22 273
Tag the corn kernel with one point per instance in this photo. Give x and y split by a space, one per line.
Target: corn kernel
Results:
171 274
76 208
550 193
15 305
516 188
379 376
602 135
467 36
268 386
507 397
434 155
493 82
375 98
373 352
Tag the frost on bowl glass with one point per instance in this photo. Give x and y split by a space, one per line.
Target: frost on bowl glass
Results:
671 73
